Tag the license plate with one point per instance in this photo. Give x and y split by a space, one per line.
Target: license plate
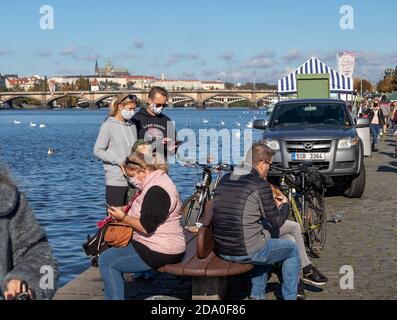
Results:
300 156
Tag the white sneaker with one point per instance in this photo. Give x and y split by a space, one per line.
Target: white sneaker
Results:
395 133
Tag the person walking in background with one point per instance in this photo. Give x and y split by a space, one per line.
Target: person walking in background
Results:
24 249
154 126
394 121
377 121
115 140
384 105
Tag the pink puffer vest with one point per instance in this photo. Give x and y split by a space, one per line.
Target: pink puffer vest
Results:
168 237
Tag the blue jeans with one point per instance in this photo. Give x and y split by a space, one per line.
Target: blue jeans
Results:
113 263
275 250
375 130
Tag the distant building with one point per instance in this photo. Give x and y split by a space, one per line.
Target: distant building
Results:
110 71
94 85
24 83
213 85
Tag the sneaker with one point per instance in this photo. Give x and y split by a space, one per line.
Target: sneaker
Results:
312 276
301 295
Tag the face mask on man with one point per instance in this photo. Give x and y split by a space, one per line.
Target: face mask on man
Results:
127 114
155 109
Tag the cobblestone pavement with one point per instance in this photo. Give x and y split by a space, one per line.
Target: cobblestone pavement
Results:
366 240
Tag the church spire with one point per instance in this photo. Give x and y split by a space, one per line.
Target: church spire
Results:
96 68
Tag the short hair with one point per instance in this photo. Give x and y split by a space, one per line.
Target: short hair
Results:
257 153
153 91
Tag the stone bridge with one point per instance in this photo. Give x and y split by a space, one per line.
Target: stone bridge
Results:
201 98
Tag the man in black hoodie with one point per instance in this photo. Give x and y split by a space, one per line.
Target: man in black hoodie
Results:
155 127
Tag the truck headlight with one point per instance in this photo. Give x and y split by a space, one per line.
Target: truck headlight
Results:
273 144
347 143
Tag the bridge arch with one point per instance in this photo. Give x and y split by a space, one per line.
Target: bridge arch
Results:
229 97
176 98
7 99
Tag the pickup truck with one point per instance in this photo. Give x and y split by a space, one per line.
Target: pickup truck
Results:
321 131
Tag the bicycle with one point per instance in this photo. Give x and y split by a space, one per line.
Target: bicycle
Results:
305 186
193 206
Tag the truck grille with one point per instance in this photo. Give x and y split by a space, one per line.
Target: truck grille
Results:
319 165
317 146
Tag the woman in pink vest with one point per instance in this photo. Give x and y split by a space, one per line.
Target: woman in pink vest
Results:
155 215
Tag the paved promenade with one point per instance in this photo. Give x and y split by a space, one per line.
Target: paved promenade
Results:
366 240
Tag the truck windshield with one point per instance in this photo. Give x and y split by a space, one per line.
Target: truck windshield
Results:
310 114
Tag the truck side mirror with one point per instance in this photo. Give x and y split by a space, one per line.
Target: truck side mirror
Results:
362 123
260 124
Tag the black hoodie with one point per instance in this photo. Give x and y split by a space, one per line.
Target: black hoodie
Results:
154 128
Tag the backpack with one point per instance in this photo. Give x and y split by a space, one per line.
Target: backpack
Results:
95 245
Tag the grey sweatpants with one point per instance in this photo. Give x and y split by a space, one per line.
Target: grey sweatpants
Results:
291 230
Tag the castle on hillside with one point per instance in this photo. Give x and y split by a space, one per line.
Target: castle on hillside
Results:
110 71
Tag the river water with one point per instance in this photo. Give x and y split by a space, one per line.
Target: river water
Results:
66 190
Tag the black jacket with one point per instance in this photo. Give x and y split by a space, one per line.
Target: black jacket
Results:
371 113
242 204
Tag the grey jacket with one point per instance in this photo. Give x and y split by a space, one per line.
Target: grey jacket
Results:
112 146
24 249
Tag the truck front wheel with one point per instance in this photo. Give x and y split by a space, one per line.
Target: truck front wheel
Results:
355 186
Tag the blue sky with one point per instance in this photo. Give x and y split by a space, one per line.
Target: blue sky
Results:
230 40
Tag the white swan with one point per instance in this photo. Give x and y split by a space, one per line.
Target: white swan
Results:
32 124
42 125
17 122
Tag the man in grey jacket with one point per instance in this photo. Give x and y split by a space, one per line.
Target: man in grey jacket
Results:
25 254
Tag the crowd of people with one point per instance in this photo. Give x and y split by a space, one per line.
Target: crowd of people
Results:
252 227
383 116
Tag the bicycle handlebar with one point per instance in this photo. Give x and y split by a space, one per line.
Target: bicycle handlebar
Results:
214 167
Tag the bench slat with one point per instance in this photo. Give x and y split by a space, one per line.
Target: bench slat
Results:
197 267
178 268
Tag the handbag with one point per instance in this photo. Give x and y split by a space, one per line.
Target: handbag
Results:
110 234
118 234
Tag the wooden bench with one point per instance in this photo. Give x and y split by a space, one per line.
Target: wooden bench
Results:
207 270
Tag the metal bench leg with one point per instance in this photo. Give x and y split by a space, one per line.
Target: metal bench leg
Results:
208 288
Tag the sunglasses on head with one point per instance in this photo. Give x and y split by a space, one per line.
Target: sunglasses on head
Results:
128 161
131 97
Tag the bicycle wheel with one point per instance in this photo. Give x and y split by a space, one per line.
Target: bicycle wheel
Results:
190 211
317 223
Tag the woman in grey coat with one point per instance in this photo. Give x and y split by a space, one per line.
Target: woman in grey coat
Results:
25 254
115 140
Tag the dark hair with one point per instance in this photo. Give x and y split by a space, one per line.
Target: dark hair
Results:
160 90
258 152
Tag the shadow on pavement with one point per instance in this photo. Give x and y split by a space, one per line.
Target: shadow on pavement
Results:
387 169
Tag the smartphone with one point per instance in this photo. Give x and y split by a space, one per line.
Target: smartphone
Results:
109 206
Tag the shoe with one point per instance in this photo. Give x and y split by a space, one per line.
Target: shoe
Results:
301 295
312 276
